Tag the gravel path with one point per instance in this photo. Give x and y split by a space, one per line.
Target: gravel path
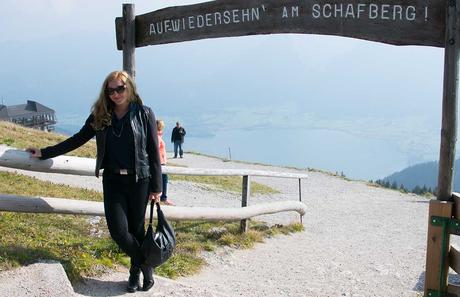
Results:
359 240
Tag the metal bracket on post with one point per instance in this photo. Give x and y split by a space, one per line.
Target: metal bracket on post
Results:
452 225
433 293
449 226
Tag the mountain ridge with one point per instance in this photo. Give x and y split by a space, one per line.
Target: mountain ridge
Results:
421 175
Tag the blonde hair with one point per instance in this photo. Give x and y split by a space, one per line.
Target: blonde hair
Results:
103 107
160 125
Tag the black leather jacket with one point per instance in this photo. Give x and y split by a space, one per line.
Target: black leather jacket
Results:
147 158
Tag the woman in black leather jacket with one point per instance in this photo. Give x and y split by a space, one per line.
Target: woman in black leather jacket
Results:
127 150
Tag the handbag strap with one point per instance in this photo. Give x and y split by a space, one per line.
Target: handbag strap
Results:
151 211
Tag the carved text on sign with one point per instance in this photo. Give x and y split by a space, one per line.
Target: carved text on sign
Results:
399 22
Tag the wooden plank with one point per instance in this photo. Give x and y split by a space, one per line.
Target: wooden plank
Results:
15 203
454 259
449 103
434 245
453 289
129 40
119 30
19 159
456 200
14 158
244 201
398 22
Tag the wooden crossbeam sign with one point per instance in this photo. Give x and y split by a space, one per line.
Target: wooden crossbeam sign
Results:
398 22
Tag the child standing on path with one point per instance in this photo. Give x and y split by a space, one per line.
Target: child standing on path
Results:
163 160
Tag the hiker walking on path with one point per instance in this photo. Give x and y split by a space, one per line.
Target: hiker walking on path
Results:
177 137
127 150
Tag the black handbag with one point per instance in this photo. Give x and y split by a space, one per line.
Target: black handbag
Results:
158 246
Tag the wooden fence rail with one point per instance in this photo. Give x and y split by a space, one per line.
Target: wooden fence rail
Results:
17 203
19 159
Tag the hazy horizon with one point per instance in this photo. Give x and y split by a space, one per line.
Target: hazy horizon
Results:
329 102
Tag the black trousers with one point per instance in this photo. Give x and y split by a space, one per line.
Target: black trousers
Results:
125 202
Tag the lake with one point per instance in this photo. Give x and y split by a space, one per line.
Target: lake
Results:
334 151
359 155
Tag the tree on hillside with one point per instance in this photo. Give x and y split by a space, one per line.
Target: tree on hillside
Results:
402 188
417 190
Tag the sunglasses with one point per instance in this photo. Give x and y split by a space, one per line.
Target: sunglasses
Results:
119 90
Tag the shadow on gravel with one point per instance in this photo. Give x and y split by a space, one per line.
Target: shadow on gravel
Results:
100 288
420 285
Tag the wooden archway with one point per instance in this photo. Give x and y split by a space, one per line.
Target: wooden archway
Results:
398 22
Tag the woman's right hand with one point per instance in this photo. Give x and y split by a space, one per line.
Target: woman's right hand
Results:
34 152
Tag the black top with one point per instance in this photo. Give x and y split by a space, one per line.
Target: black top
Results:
144 130
119 148
178 134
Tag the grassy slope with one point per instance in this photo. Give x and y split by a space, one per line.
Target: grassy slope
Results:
20 137
82 245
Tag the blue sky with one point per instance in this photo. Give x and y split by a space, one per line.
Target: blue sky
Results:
58 52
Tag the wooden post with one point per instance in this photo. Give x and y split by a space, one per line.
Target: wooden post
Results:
435 246
129 39
300 196
449 102
244 200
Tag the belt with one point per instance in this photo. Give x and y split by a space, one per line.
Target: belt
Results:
119 171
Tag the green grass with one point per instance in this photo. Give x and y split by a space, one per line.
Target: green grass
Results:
194 237
71 240
85 248
226 183
22 138
13 183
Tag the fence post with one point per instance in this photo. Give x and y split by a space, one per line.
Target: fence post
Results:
244 200
437 246
300 196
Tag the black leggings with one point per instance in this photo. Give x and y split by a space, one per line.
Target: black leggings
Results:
125 201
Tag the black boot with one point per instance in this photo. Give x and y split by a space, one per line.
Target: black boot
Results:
148 277
134 283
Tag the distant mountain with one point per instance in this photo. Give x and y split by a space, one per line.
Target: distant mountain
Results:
423 174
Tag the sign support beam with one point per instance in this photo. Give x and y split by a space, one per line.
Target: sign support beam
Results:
129 40
449 102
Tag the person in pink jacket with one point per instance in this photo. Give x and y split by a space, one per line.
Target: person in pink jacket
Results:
163 160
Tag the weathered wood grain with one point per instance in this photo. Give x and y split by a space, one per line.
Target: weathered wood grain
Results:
14 158
398 22
435 248
449 103
128 40
15 203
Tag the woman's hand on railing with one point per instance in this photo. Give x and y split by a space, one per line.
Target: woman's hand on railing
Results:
34 152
